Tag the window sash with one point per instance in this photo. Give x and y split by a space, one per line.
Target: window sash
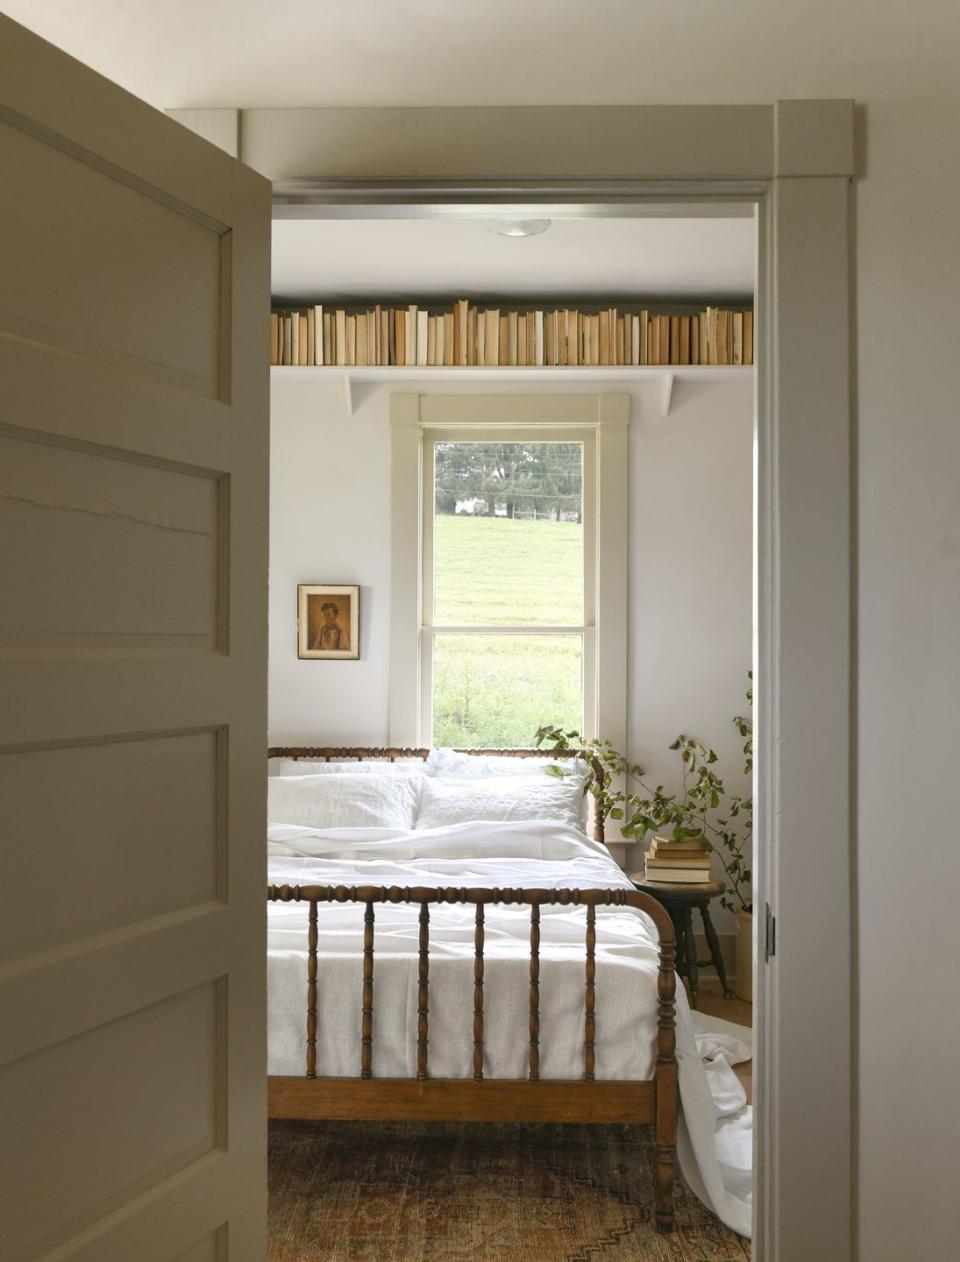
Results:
494 433
588 666
586 630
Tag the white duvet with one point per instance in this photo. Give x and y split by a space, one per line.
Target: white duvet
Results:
714 1144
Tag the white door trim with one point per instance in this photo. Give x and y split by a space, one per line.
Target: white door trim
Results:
791 161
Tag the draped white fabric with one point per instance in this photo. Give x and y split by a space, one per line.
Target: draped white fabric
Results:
524 854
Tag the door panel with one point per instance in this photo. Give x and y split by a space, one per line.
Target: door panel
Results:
133 486
171 316
101 788
157 1068
123 553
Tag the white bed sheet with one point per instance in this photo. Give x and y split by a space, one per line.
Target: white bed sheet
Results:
714 1144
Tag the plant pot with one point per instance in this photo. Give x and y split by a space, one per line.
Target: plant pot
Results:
743 956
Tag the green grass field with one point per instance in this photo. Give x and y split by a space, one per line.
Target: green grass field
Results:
497 690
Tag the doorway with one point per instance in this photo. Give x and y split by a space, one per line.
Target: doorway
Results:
795 277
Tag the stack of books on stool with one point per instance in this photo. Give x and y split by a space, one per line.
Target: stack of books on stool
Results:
677 861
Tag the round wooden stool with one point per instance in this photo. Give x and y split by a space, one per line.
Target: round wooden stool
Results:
680 901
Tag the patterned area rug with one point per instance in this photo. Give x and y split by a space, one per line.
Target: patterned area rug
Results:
461 1192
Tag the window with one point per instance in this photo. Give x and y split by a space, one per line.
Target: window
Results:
508 567
504 639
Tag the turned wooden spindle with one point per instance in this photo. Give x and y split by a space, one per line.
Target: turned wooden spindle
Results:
667 1106
423 976
534 992
478 996
366 1048
312 991
590 1023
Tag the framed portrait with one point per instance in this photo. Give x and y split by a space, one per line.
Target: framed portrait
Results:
328 621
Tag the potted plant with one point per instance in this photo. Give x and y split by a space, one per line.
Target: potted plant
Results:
702 808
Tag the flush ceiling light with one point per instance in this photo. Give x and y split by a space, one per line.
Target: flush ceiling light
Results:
517 227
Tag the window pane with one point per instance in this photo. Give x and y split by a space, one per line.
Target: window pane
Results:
496 690
508 534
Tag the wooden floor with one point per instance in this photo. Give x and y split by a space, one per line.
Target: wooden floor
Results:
736 1010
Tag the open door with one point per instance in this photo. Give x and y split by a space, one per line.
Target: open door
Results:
134 299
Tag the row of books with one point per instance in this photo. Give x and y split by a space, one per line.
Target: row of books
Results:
680 862
466 335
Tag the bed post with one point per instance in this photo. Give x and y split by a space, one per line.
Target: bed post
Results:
666 1078
598 801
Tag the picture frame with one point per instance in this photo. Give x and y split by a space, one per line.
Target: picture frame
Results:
328 621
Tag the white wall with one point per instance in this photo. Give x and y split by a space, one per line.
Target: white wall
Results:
690 563
329 523
691 548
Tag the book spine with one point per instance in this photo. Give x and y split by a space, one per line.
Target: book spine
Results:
351 340
294 338
473 337
318 335
340 336
462 332
492 338
410 335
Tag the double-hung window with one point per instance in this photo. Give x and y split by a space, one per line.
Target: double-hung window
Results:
508 550
512 523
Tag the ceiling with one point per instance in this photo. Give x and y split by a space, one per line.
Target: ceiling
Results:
393 258
178 53
195 53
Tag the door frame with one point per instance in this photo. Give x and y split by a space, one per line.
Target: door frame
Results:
791 163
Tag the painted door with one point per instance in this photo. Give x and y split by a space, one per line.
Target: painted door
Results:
134 298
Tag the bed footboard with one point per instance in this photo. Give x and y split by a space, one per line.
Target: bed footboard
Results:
480 1098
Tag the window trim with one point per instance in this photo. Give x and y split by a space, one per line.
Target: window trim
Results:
601 422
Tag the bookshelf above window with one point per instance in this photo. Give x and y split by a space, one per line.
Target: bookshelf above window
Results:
464 335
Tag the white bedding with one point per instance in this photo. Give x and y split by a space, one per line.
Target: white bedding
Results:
714 1144
345 798
446 802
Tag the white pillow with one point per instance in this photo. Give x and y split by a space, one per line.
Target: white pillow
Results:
445 763
449 801
302 767
344 801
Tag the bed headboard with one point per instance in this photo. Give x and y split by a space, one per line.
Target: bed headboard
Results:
390 753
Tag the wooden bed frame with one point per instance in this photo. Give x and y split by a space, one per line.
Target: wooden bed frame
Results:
480 1099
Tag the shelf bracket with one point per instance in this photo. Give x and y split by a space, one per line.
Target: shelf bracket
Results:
668 380
348 392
